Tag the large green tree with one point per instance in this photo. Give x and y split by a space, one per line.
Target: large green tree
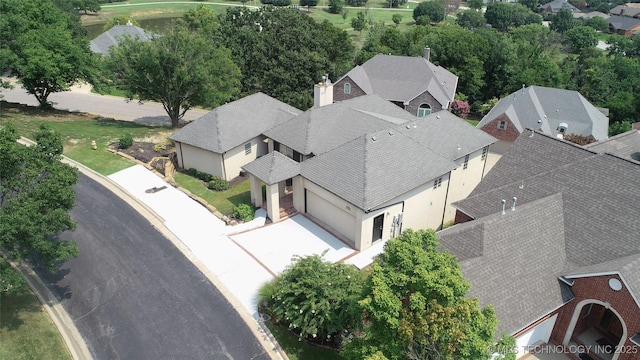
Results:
471 19
415 306
39 48
564 21
36 196
283 52
433 10
180 69
504 16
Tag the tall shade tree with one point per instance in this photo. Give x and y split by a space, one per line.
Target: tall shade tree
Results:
36 196
179 69
581 37
504 16
39 48
564 21
87 5
433 10
471 19
308 3
283 52
415 304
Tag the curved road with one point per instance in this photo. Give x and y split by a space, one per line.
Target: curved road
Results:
133 295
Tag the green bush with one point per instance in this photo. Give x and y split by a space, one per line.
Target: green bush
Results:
218 184
125 141
243 212
192 172
204 176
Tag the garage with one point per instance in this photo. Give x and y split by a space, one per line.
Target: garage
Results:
328 213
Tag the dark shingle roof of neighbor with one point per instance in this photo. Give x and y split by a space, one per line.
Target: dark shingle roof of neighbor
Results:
232 124
625 145
321 129
402 78
558 5
622 22
580 204
273 168
109 38
552 106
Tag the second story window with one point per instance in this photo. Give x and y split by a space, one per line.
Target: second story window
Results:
466 162
502 125
485 150
347 88
247 148
424 110
437 182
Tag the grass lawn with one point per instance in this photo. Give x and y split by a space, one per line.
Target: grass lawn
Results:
78 131
26 331
300 350
224 201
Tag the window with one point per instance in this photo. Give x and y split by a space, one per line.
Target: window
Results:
287 151
424 110
247 148
466 162
347 88
485 150
502 125
437 182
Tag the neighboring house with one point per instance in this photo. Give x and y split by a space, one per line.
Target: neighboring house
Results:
366 169
557 5
551 238
111 37
623 25
230 136
553 111
630 10
625 145
593 14
412 83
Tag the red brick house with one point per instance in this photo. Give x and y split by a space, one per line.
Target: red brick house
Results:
412 83
551 238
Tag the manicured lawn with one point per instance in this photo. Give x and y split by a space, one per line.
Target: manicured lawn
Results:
300 350
26 331
473 122
224 201
78 131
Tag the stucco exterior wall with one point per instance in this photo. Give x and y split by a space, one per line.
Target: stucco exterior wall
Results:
235 158
463 181
203 160
338 90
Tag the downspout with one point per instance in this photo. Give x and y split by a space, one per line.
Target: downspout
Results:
181 156
484 166
444 210
224 169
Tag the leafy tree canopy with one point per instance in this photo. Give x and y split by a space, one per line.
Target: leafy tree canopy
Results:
415 303
503 16
86 5
359 22
180 69
475 4
564 21
471 19
581 37
431 9
36 196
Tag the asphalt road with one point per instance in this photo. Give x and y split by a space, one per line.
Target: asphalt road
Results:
133 295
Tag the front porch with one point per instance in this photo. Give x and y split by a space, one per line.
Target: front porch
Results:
285 204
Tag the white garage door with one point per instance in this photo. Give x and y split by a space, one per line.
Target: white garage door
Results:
331 215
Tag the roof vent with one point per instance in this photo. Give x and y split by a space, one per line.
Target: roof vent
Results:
459 147
391 132
513 205
437 116
562 127
503 202
408 126
374 138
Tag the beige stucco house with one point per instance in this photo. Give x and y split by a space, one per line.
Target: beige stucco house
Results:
230 136
365 169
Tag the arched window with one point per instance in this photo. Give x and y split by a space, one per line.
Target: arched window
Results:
347 88
424 110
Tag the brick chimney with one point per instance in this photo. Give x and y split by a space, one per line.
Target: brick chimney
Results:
426 53
323 92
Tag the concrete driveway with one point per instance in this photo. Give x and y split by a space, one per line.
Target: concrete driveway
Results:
243 257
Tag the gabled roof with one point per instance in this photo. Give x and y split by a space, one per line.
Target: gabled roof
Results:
446 134
111 37
625 145
232 124
625 10
623 22
513 261
558 5
551 106
375 168
593 14
321 129
273 168
403 78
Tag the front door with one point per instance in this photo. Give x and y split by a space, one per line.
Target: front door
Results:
378 223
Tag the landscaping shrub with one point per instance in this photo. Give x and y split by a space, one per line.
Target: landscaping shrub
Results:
206 177
193 172
218 184
159 147
125 141
243 212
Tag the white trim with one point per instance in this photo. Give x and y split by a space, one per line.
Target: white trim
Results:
626 285
540 318
576 315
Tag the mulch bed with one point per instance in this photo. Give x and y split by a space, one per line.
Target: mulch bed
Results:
143 151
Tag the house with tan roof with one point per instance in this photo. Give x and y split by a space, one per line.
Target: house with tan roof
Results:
550 238
412 83
365 169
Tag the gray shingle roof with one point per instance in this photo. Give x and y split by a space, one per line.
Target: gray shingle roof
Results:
273 168
111 37
553 106
622 22
522 255
578 202
321 129
232 124
375 168
558 5
625 145
446 134
625 10
402 78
